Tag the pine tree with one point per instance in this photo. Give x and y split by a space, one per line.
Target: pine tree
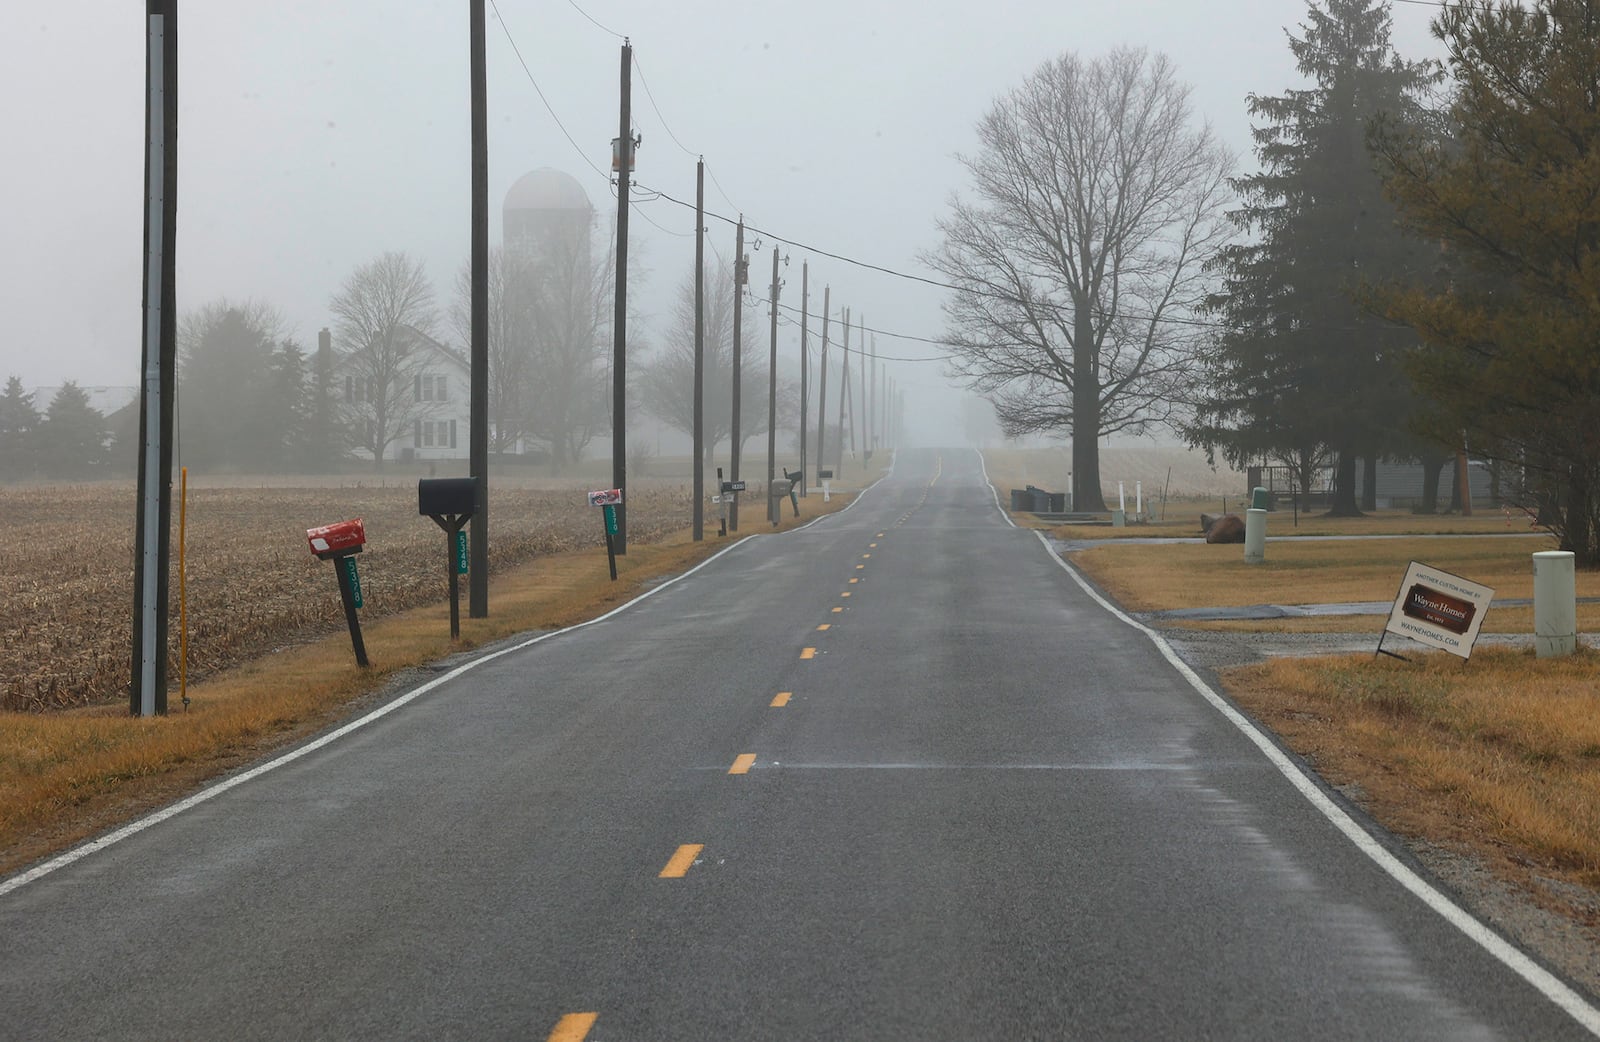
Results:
225 406
1300 369
72 435
1511 190
19 429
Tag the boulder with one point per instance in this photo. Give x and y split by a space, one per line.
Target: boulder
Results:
1229 528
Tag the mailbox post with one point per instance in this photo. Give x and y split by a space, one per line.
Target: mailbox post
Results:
609 499
340 543
449 502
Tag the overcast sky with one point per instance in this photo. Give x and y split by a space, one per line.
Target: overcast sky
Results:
314 135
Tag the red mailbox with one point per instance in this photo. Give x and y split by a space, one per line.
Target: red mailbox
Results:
337 540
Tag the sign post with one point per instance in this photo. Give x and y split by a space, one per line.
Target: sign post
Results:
340 543
609 499
449 501
1438 609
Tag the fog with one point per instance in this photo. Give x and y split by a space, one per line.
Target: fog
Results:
315 136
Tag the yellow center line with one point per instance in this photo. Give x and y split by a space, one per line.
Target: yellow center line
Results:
855 580
677 866
880 535
864 557
781 699
742 764
837 610
847 592
808 653
859 567
824 626
872 546
574 1027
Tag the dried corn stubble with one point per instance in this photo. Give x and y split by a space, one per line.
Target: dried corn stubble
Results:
66 570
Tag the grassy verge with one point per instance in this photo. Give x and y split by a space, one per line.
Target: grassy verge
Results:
67 775
1500 754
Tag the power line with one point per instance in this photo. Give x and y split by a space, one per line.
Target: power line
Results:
596 24
529 73
651 95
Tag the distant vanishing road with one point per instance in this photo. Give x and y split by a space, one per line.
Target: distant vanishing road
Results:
893 776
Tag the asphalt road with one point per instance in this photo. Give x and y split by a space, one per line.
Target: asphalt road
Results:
983 808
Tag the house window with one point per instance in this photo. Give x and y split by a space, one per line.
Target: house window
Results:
428 389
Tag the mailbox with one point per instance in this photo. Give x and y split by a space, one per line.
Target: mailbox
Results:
438 496
337 540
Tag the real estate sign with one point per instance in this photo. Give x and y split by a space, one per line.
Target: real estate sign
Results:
1439 609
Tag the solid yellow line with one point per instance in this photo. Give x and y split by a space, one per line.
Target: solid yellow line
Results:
824 626
742 764
781 699
574 1027
680 863
808 652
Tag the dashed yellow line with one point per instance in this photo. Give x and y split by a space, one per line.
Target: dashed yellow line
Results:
781 699
855 580
880 535
859 567
847 592
837 610
677 867
872 546
864 557
824 626
808 653
574 1027
743 763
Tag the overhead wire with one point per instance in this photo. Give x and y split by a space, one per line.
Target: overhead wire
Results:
593 22
539 91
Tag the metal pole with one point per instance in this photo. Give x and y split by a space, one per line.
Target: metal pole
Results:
805 365
699 350
147 689
822 385
619 349
478 438
773 513
741 270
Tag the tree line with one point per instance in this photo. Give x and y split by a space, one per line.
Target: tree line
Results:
1411 272
254 399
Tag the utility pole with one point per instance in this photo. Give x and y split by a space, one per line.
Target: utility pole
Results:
478 437
147 689
741 275
861 368
872 399
700 350
805 366
822 393
773 513
844 389
622 162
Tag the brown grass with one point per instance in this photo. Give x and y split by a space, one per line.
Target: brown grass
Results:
67 774
1501 753
1145 577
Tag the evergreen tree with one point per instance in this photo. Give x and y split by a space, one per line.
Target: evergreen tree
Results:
1299 368
19 430
290 405
1512 193
72 435
227 413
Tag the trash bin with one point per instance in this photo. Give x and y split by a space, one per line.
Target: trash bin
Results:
1041 501
1058 502
1021 500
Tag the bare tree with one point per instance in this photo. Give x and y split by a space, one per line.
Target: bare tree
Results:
1097 204
667 384
510 360
567 313
380 311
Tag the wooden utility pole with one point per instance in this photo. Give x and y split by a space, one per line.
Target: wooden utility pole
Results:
478 420
872 399
147 689
700 350
844 389
741 275
622 162
805 366
773 513
822 392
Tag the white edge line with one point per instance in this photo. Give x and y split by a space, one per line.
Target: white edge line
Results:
894 459
1003 515
213 791
1542 980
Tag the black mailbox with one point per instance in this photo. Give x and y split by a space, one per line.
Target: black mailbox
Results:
441 496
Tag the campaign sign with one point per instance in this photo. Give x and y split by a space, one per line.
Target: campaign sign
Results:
605 497
1438 609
